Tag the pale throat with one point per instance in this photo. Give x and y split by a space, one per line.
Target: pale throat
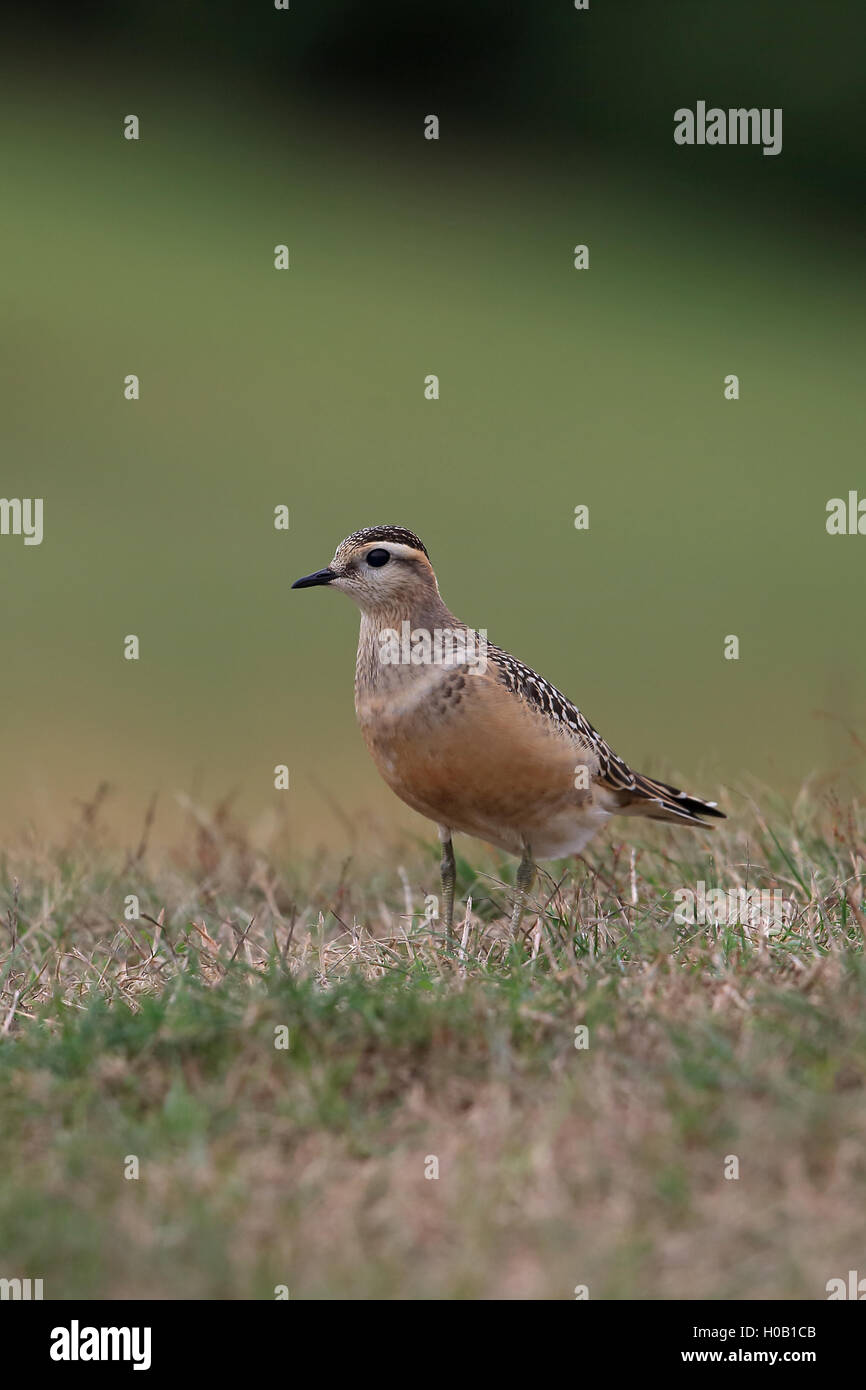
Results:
384 627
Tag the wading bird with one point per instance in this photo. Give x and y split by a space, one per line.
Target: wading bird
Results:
469 736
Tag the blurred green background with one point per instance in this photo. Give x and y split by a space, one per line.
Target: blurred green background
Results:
306 387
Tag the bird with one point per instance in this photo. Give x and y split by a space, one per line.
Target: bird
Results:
469 736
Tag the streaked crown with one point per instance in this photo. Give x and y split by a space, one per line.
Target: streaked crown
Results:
400 534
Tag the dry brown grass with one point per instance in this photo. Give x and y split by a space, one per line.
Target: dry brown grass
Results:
557 1167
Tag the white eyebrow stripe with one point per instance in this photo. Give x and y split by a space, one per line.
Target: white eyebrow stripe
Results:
396 548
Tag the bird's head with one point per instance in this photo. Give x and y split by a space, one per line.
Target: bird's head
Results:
383 568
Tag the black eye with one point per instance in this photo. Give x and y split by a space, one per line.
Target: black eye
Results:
378 558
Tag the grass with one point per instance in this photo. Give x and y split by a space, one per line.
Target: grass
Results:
304 1166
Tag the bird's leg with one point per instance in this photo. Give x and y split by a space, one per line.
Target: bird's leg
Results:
525 876
448 872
